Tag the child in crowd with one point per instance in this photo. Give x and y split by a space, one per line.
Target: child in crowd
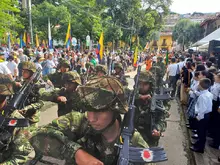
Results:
203 108
215 115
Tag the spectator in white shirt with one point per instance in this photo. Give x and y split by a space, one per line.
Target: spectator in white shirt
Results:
50 64
171 73
214 124
12 66
203 108
3 67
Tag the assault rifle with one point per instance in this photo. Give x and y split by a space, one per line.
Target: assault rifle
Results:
7 124
128 154
17 102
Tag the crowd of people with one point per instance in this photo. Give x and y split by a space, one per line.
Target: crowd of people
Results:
91 93
195 80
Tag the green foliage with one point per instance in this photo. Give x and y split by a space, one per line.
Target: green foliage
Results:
119 20
10 20
187 32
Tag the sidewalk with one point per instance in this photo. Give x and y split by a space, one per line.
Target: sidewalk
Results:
210 156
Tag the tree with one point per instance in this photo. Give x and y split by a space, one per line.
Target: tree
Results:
58 15
187 32
10 20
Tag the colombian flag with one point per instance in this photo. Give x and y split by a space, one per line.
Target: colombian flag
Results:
68 37
100 48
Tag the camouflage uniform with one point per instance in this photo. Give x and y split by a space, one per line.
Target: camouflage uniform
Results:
146 119
56 78
120 76
161 65
71 132
157 72
33 103
18 144
73 99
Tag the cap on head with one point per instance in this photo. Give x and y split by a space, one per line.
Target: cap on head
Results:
103 94
6 85
71 77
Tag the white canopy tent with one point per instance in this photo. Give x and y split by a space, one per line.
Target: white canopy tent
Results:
213 36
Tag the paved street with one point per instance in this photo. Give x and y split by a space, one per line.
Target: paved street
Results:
174 141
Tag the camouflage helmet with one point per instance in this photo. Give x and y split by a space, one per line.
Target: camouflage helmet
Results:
89 65
71 77
6 85
101 68
28 65
147 77
160 59
64 63
102 94
156 71
118 65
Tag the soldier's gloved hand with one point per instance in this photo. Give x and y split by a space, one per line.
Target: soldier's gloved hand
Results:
62 99
156 133
83 158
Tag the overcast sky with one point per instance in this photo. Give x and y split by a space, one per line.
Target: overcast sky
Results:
190 6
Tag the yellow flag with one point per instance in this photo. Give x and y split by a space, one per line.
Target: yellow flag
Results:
68 35
25 38
135 56
101 45
37 41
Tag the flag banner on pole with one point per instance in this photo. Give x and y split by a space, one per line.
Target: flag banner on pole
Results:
28 38
135 56
24 39
100 49
22 43
147 46
68 37
9 42
167 58
50 42
37 41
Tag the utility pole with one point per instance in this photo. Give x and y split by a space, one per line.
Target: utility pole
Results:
30 21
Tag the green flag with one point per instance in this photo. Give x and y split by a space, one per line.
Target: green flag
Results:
167 58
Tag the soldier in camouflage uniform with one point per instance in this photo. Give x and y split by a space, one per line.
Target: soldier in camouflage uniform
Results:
88 138
158 74
90 72
55 78
100 70
161 65
67 98
119 74
149 124
14 149
33 104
